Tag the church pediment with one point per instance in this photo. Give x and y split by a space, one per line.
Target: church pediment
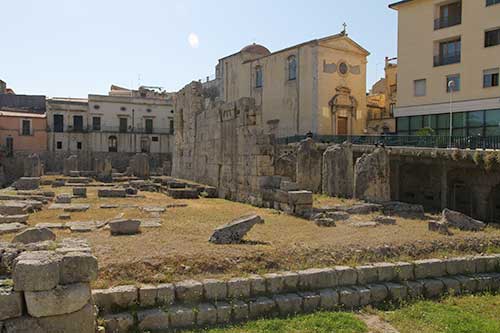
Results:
344 44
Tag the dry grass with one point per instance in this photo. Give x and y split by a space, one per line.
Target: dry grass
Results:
179 249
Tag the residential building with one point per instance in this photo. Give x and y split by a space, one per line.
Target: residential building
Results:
22 132
3 87
448 62
318 86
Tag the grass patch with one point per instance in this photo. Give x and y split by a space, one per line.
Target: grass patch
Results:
470 314
322 322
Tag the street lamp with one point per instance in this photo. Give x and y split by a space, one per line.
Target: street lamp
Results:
451 86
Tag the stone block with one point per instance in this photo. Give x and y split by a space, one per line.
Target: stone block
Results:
223 312
148 296
495 281
116 298
397 292
386 271
433 288
34 235
288 304
346 276
63 198
152 320
11 304
459 266
8 228
367 274
349 298
486 264
310 301
233 232
238 288
329 299
261 307
182 317
467 284
300 198
451 286
290 281
61 300
289 186
240 311
165 294
36 271
112 193
78 267
22 325
82 321
189 291
118 323
430 268
27 183
404 271
378 293
124 227
206 315
364 295
484 283
257 285
275 283
415 289
314 279
214 290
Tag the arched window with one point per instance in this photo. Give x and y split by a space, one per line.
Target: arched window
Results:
292 68
258 77
112 144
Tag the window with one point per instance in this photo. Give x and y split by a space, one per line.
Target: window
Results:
96 107
58 123
490 78
112 144
453 83
450 52
96 123
26 127
123 125
416 124
492 38
149 125
154 139
77 123
403 125
292 68
492 2
9 146
449 15
420 87
79 146
59 145
492 121
258 77
123 108
171 125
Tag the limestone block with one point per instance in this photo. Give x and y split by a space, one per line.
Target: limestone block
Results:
34 235
80 192
314 279
346 276
308 171
404 271
152 320
78 267
300 198
11 304
397 292
484 282
63 198
433 288
467 284
147 296
364 295
257 285
8 228
206 315
310 301
372 177
288 304
238 288
495 281
182 317
378 293
240 311
165 294
329 299
61 300
122 297
349 298
124 227
27 183
189 291
214 290
82 321
338 171
386 271
261 307
275 283
233 232
415 289
451 286
22 325
290 280
458 266
4 219
486 264
367 274
430 268
118 323
36 271
461 221
223 312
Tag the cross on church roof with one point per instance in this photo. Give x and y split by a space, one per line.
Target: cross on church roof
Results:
344 32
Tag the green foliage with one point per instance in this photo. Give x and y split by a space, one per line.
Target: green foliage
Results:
477 158
426 131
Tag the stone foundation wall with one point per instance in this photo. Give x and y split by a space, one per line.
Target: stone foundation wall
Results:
212 302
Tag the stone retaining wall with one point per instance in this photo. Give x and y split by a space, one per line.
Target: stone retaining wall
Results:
211 302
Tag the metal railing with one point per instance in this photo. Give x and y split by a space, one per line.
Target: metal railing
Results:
116 129
447 21
435 141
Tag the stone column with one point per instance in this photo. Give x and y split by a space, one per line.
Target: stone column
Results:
309 166
372 177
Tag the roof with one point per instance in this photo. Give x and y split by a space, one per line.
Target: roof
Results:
256 49
396 4
20 114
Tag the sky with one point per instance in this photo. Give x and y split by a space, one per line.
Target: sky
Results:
72 48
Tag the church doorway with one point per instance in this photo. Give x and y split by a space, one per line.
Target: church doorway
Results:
342 126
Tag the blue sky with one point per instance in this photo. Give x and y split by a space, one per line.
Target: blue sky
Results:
70 48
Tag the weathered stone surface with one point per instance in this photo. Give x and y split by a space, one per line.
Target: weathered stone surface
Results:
11 304
386 271
430 268
309 166
115 298
82 321
206 315
349 298
27 183
367 274
364 295
240 311
461 221
140 165
61 300
182 317
261 307
314 279
397 292
64 216
405 210
467 284
372 177
257 285
125 227
214 290
80 192
183 193
63 198
234 232
12 207
415 289
165 294
70 164
112 193
223 312
152 320
310 301
357 209
338 171
34 235
365 224
23 325
14 219
329 299
118 323
78 267
378 293
404 271
36 271
384 220
8 228
325 222
433 288
439 227
486 264
288 304
459 266
238 288
275 283
451 286
33 166
147 296
74 208
189 291
346 276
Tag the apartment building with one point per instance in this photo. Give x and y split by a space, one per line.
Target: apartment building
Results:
448 63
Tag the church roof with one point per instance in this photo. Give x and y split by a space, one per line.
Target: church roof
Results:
256 49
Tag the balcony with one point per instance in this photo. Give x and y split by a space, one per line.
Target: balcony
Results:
117 129
447 21
449 59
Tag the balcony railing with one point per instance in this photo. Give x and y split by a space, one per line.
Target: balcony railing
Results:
447 21
441 60
117 129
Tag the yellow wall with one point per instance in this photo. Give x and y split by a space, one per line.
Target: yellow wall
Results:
416 50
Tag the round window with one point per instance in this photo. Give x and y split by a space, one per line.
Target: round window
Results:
343 68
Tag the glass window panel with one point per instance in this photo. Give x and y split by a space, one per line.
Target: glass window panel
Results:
420 87
404 133
476 118
493 118
493 131
444 121
443 132
403 124
459 119
416 123
459 132
476 131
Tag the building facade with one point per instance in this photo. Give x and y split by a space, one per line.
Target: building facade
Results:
448 62
317 86
22 132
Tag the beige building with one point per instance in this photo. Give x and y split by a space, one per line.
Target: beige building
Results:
317 86
448 60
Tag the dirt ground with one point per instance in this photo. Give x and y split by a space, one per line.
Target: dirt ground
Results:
180 248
